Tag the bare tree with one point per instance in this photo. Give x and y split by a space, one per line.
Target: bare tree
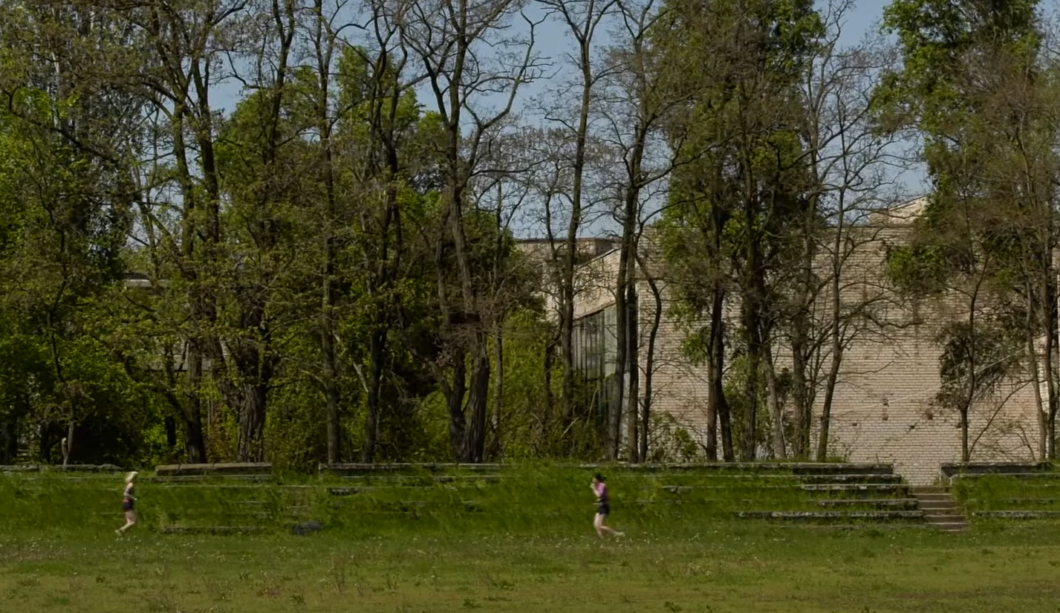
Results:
324 34
467 52
581 19
641 96
853 170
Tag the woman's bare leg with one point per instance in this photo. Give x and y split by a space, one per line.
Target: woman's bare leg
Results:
130 521
598 523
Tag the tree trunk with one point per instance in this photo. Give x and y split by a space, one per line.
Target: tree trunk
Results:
566 358
649 363
497 445
802 387
801 396
477 402
748 447
377 355
965 456
545 421
251 415
253 363
614 415
454 399
332 394
829 394
776 410
1036 381
836 344
191 411
68 442
1052 343
718 407
633 337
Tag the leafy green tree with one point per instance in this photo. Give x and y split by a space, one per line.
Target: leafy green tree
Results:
742 62
68 146
972 83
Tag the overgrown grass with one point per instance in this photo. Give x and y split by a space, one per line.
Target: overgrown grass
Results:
520 540
536 500
1000 492
719 567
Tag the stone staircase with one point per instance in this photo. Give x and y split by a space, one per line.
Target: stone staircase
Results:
940 510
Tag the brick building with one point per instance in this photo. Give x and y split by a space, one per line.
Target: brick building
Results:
883 410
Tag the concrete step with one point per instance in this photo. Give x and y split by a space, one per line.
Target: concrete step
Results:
854 487
995 468
1041 476
901 503
1017 514
940 510
943 517
831 515
961 527
211 529
228 470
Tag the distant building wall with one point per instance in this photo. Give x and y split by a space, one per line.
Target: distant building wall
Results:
883 409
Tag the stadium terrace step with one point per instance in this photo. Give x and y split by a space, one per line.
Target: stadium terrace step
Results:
898 503
751 468
832 515
402 479
358 469
843 469
347 491
229 469
993 468
1015 502
1017 514
805 478
839 479
1042 475
892 526
88 468
213 530
20 468
855 487
201 478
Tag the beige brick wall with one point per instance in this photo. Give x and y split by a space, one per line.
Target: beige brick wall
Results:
883 409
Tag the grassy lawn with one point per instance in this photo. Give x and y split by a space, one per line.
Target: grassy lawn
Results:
737 567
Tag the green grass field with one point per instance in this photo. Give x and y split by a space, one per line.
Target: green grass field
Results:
746 568
521 541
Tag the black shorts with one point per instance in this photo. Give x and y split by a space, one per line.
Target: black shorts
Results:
603 508
126 505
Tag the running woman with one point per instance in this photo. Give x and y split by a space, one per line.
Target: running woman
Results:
128 504
603 507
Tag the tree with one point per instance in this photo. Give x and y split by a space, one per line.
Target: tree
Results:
581 18
741 63
449 40
965 63
852 171
67 143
